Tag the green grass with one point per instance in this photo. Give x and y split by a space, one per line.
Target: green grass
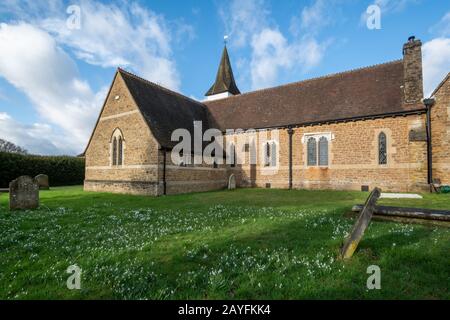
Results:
243 244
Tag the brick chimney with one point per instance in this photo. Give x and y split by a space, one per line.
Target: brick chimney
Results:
412 66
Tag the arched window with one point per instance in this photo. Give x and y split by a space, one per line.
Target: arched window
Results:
382 148
273 156
312 152
117 148
323 151
114 151
233 155
266 154
120 153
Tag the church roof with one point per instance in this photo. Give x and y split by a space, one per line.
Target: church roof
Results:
163 109
358 94
362 93
225 78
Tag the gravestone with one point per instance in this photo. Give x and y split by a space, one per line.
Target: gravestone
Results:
363 221
42 181
23 193
232 182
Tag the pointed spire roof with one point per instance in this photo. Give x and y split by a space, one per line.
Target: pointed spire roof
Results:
224 79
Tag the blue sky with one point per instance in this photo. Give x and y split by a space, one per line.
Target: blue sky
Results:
55 71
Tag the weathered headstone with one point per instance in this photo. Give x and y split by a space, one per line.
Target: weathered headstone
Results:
42 181
352 241
23 193
232 182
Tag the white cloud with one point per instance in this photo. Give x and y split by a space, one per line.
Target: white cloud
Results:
273 52
388 7
244 18
36 138
36 59
129 36
34 63
393 5
442 28
436 63
316 16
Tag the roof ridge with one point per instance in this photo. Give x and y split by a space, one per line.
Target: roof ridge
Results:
160 86
330 75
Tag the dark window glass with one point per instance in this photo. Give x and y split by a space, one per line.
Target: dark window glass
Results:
114 152
323 151
382 148
267 154
312 152
120 152
233 156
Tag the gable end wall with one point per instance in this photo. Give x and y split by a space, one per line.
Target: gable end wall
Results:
140 171
440 126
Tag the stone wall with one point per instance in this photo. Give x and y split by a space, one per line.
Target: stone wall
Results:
353 158
139 172
194 178
353 155
440 126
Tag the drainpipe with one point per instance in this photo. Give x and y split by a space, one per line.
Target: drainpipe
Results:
429 103
290 132
164 172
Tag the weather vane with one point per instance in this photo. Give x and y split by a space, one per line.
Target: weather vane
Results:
225 39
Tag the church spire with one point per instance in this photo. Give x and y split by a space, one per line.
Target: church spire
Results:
225 84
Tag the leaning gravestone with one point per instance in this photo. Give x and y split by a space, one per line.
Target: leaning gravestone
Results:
232 182
42 181
23 193
363 221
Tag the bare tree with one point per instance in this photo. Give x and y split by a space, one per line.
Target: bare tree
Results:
6 146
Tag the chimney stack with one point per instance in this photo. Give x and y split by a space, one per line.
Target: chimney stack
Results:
412 66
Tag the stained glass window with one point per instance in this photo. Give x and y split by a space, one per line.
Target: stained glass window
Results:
114 152
273 158
323 151
312 152
267 154
382 148
120 152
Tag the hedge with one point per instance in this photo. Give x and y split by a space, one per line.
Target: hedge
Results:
61 170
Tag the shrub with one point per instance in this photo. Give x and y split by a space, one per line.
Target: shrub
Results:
61 170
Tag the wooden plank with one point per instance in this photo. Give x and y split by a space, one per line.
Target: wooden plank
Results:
381 218
416 213
363 221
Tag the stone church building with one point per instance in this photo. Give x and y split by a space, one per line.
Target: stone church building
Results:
349 131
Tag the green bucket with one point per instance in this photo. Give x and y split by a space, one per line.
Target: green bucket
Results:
445 189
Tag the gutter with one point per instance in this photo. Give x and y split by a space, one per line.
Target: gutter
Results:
340 120
290 132
429 103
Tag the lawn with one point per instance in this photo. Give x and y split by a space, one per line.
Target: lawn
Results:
242 244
